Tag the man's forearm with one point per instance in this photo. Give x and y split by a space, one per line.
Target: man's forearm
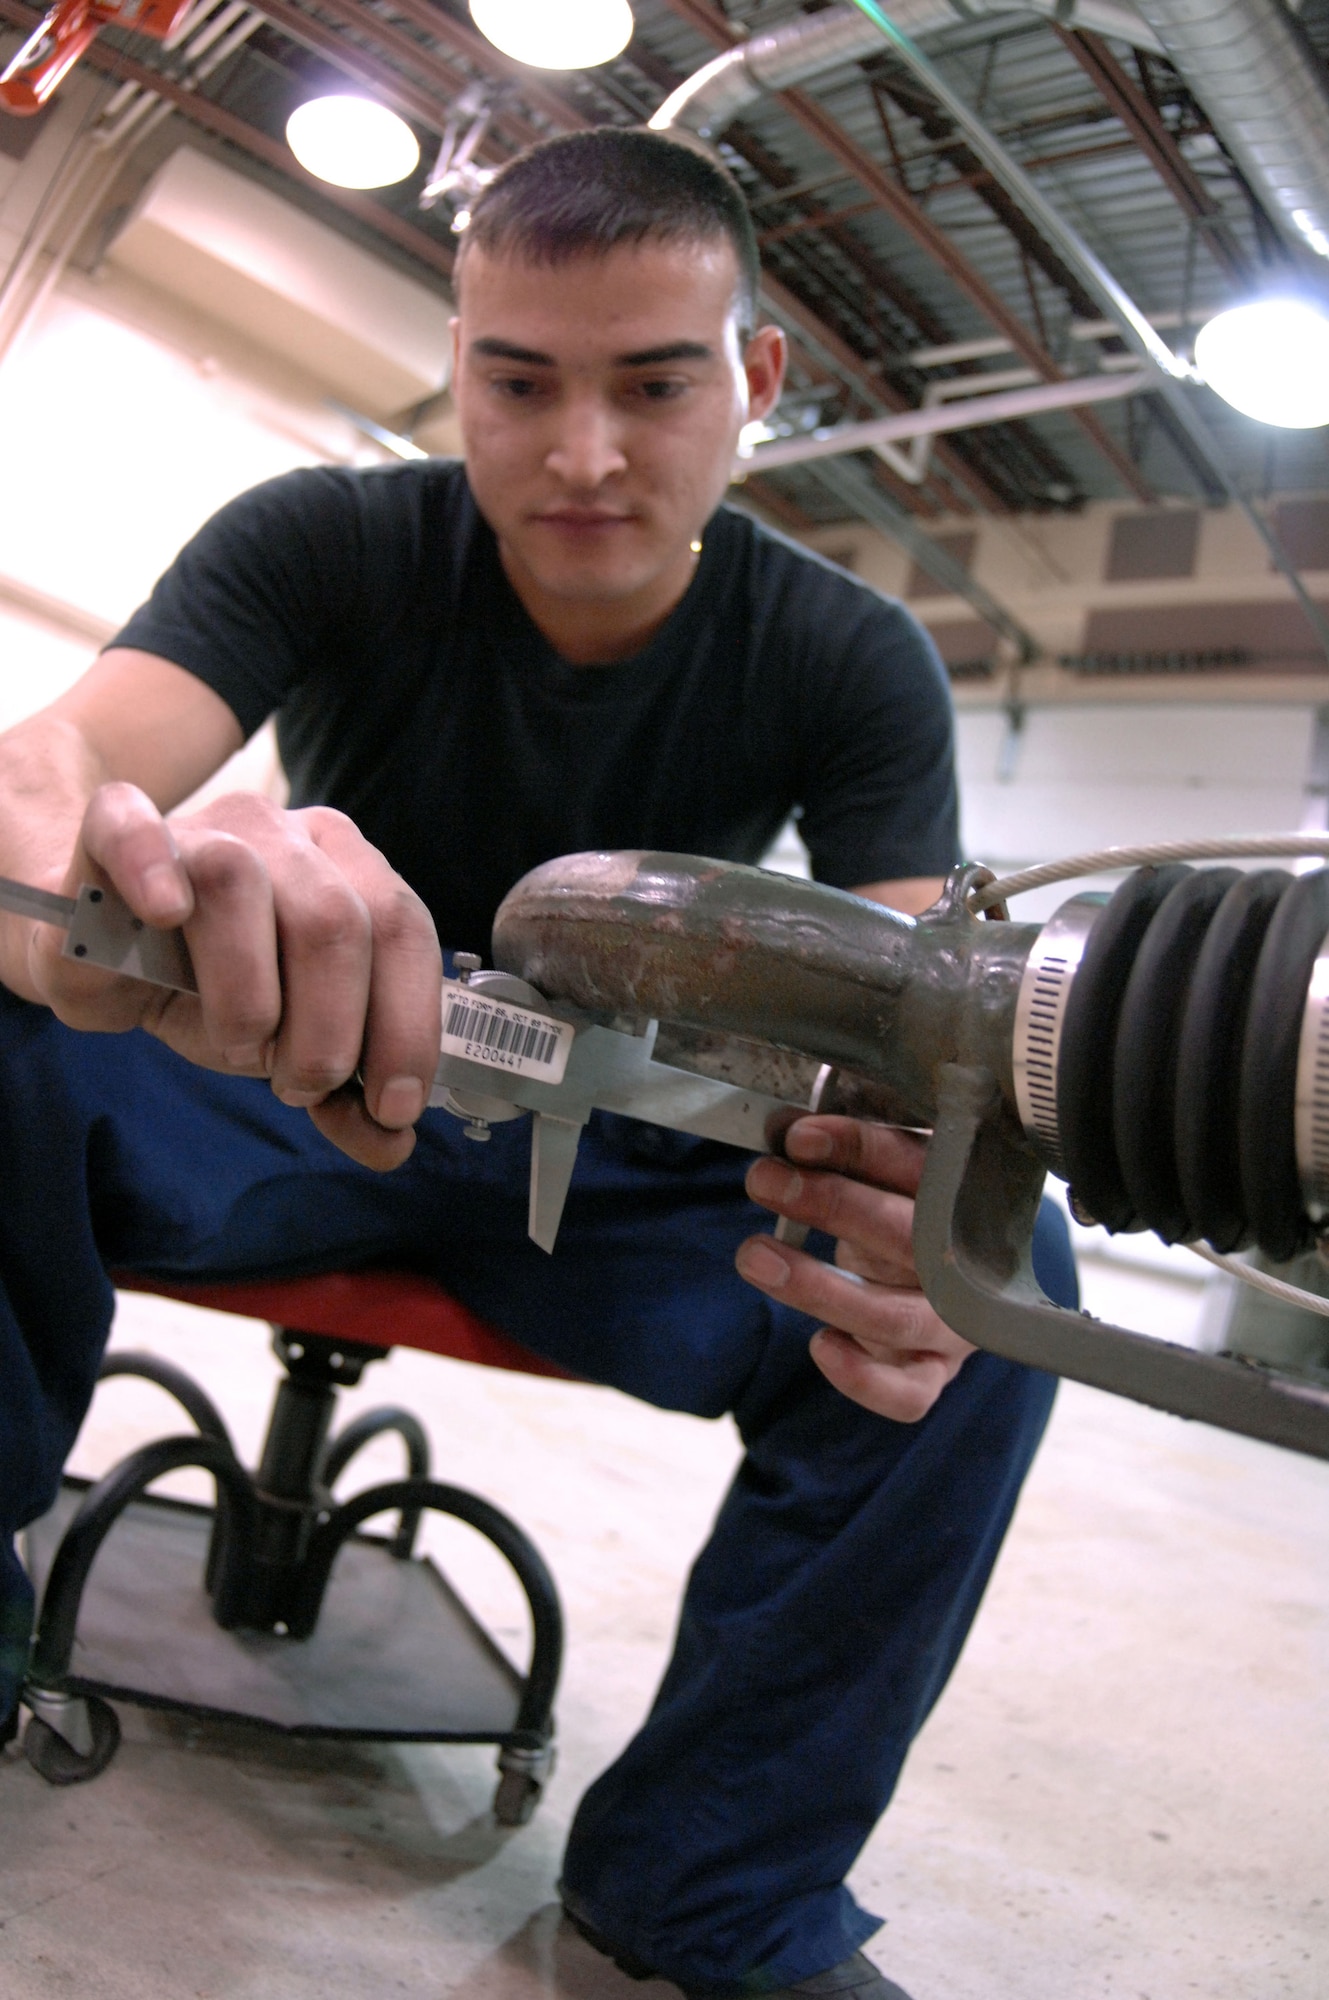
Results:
48 773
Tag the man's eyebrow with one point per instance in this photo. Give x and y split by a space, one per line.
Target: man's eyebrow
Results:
507 350
676 350
493 349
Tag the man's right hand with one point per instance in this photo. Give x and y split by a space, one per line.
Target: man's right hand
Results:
316 963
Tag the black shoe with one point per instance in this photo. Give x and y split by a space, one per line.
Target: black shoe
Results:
9 1726
857 1979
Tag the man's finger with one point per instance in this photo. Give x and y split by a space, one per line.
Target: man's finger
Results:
885 1155
124 844
404 1022
232 939
892 1320
903 1392
326 939
880 1222
125 837
343 1118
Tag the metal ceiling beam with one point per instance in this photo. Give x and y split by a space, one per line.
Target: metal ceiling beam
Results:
925 232
806 263
902 296
988 190
787 305
906 211
1140 118
951 145
967 469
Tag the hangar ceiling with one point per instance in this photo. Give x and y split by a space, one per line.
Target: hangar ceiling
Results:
894 259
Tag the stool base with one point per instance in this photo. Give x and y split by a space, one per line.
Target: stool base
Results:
395 1656
276 1607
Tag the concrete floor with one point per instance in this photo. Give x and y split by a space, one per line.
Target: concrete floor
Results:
1124 1792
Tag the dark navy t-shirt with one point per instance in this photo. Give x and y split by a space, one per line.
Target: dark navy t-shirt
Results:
370 611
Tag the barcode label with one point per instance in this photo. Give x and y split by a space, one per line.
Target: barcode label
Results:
507 1037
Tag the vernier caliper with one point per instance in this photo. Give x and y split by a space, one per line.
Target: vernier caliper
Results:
506 1051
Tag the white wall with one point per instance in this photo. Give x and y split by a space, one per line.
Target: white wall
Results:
125 421
1084 778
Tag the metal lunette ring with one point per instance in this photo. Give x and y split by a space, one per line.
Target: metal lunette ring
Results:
1040 1011
1311 1117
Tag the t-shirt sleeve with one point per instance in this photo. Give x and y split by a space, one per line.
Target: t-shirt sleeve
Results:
261 595
878 772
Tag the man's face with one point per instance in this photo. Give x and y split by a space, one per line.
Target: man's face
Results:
600 403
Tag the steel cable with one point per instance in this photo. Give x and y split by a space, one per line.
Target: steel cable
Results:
1105 860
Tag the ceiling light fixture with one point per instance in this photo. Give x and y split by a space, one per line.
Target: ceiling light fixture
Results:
556 34
352 142
1270 360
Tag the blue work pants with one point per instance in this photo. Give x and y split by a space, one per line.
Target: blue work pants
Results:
848 1559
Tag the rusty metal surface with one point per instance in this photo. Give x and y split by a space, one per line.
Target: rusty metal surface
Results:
713 946
774 1072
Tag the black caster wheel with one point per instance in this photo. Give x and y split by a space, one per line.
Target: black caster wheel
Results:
56 1760
516 1798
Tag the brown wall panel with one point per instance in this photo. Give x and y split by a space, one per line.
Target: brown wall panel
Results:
1276 636
1302 526
960 546
1160 543
965 642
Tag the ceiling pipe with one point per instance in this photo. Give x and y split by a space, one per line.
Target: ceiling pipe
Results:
807 46
1003 407
1247 63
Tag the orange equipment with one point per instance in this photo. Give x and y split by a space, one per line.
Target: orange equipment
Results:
53 47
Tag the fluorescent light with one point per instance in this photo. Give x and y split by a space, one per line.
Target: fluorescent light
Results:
556 34
352 142
1270 360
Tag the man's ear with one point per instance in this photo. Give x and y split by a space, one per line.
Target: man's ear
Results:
764 365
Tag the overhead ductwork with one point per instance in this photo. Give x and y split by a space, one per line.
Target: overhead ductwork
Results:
1243 60
813 43
1248 65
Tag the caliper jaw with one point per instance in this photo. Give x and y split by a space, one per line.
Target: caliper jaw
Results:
554 1143
510 1047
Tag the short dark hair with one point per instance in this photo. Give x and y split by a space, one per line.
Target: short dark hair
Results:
584 193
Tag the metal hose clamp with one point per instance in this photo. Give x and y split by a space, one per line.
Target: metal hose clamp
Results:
1311 1111
1040 1012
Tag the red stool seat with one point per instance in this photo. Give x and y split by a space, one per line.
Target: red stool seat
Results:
376 1308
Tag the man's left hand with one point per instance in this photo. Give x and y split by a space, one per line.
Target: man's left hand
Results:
882 1344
